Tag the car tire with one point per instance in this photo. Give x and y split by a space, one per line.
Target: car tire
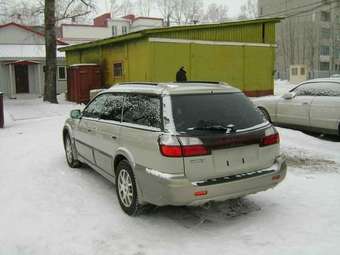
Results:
126 189
69 152
265 114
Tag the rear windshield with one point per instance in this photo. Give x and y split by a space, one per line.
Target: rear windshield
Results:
197 111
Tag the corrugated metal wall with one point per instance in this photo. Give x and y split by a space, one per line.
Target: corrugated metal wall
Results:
251 33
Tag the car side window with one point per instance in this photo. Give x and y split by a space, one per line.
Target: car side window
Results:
318 89
306 89
95 108
113 107
143 110
331 89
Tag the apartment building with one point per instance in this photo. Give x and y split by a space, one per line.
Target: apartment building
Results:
308 36
105 26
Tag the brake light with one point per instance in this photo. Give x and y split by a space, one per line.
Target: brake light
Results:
201 193
171 151
172 146
270 140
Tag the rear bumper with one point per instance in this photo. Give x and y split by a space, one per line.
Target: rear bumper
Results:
166 189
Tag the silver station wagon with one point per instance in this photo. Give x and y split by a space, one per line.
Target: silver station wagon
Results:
175 143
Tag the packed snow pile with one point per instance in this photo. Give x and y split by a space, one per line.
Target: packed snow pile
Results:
49 208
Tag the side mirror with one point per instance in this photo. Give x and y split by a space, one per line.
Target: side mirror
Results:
75 114
289 95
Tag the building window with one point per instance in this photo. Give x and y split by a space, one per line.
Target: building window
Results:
124 30
324 50
118 69
324 66
62 74
338 19
337 53
302 71
325 33
325 16
294 71
114 30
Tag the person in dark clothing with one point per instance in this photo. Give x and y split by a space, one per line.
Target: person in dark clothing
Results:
181 75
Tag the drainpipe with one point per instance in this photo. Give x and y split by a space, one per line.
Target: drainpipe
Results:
1 110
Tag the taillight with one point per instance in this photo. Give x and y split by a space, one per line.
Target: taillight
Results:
172 146
271 137
194 150
170 151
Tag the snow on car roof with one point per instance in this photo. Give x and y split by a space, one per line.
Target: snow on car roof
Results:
174 88
336 80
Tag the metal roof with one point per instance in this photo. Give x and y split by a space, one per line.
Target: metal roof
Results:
153 31
173 88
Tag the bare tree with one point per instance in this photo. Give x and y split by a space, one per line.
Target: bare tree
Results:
3 10
115 7
74 9
144 7
67 10
166 8
23 12
296 44
50 93
187 11
216 13
249 10
178 11
193 11
127 7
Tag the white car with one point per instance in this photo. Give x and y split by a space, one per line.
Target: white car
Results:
313 105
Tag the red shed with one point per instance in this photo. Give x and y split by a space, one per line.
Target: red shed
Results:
81 78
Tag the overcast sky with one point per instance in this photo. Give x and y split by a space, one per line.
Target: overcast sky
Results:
233 6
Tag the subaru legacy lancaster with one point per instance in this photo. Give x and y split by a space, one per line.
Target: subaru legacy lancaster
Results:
175 143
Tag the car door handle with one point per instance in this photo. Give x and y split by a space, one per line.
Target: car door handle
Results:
89 130
305 103
114 137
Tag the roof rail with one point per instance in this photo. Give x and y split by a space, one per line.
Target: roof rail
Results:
138 83
207 82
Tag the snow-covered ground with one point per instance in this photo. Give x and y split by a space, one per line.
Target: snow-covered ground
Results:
48 208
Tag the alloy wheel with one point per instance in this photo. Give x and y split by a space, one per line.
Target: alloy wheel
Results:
125 188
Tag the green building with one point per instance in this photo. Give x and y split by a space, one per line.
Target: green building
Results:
241 53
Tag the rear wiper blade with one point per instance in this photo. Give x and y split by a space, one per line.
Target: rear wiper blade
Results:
228 129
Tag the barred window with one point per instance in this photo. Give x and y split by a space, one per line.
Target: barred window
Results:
118 69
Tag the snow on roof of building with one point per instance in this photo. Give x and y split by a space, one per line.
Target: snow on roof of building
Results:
32 29
11 51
